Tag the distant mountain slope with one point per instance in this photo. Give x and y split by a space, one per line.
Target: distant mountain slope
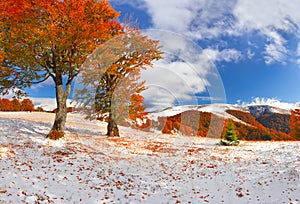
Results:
252 122
279 122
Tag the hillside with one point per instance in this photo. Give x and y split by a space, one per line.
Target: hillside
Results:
139 167
252 122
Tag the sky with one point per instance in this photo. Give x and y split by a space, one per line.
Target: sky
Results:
217 51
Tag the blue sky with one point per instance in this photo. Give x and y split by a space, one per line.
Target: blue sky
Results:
231 51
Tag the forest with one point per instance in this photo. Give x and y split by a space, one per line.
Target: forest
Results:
274 127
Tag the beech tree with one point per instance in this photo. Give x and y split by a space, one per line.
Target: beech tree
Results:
16 104
5 105
295 124
50 39
114 71
27 105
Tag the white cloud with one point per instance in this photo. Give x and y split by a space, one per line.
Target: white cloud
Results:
207 19
271 102
48 104
275 53
195 18
211 19
259 15
185 71
298 54
250 54
298 49
229 55
48 82
270 17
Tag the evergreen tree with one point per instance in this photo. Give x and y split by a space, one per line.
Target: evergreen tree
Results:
230 137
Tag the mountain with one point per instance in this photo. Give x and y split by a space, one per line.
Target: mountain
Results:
261 122
259 110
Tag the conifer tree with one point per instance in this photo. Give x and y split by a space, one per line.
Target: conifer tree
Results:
230 137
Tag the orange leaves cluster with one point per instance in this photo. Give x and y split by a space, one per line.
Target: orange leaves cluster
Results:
16 105
255 130
190 123
42 35
295 124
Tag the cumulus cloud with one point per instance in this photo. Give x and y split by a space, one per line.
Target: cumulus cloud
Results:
259 15
229 55
271 19
208 19
195 18
201 20
271 102
48 104
185 71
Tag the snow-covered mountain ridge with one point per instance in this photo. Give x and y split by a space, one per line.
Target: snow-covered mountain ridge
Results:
253 122
219 109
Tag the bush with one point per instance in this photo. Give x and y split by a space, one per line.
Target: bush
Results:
55 134
39 109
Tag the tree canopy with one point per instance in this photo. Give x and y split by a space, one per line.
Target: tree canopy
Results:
112 72
51 39
295 124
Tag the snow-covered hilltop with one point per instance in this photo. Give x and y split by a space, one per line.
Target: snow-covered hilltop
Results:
253 122
219 109
139 167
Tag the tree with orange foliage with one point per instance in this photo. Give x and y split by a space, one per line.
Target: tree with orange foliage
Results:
16 105
27 105
5 105
295 124
113 71
50 39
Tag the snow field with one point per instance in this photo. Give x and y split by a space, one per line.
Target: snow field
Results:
139 167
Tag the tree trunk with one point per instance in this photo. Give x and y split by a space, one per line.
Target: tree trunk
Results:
61 111
112 127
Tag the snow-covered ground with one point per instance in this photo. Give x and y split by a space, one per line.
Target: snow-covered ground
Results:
139 167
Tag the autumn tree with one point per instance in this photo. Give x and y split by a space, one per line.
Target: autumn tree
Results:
27 105
295 124
5 105
127 102
114 70
50 39
16 105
